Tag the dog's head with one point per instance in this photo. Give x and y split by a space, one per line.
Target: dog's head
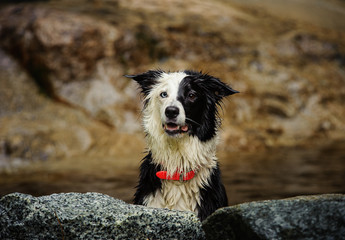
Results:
181 103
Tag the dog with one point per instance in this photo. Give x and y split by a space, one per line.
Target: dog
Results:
181 119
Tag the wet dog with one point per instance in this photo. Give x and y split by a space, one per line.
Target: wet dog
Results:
180 119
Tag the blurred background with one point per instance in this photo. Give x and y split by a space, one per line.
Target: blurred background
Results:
70 121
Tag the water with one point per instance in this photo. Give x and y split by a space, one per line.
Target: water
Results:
272 174
285 173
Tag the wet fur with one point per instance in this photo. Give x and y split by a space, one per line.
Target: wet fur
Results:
196 97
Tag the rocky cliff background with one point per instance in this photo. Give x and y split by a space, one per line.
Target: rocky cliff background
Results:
64 100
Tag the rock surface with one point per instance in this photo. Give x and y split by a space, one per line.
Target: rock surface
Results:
90 216
69 56
35 128
98 216
311 217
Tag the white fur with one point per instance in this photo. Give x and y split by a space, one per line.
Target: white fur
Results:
183 153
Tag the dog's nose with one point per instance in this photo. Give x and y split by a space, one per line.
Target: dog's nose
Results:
172 112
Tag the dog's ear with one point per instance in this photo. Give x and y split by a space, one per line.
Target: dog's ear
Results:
146 80
221 89
215 86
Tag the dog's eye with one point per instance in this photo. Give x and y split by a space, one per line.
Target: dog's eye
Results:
191 96
163 94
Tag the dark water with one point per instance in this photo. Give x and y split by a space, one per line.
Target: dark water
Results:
273 174
285 173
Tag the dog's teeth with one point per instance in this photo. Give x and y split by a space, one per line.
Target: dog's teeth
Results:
175 127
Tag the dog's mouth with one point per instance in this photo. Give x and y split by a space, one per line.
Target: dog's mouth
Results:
173 129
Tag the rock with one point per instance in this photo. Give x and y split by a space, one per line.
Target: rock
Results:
310 217
307 45
18 91
59 45
98 216
90 216
71 58
35 127
31 127
141 45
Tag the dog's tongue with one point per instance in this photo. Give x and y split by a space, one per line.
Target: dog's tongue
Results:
172 127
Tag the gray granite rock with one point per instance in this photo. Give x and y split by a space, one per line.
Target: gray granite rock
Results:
310 217
90 216
97 216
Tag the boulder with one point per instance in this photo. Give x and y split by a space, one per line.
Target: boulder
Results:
18 92
71 57
98 216
306 217
90 216
54 45
33 127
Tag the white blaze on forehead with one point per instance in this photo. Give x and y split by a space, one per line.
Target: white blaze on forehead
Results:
171 82
168 82
173 78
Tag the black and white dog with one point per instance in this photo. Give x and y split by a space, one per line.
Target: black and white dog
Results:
180 119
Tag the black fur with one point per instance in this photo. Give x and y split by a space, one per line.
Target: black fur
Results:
148 182
146 80
212 196
202 111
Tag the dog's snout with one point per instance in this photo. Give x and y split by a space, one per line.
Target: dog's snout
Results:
172 112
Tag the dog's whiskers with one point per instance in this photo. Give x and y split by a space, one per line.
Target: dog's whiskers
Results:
190 120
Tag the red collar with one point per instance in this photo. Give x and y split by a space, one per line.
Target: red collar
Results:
176 176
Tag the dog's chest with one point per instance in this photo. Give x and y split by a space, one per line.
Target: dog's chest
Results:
177 195
184 154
